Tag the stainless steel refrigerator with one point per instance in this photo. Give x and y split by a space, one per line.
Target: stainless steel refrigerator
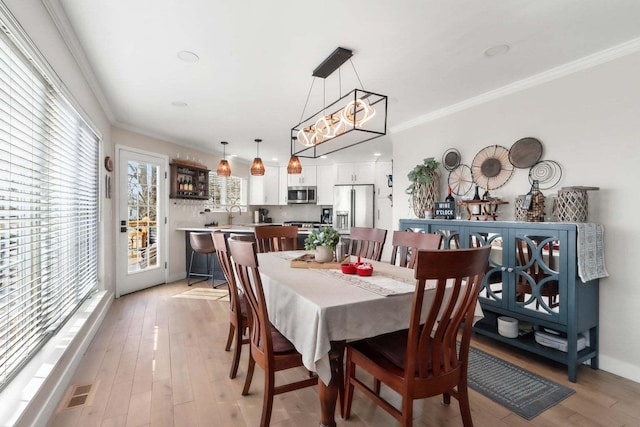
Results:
353 206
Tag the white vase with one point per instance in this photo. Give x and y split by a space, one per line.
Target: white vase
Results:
324 253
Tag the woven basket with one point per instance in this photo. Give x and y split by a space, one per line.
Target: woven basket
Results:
520 211
425 196
573 205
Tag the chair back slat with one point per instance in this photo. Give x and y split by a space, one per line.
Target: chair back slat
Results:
245 264
406 244
367 242
457 276
222 252
276 238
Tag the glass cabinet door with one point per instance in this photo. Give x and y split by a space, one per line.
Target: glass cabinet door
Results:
537 273
492 291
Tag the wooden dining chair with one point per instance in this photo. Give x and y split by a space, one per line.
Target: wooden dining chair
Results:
269 348
275 238
406 244
367 242
424 360
238 319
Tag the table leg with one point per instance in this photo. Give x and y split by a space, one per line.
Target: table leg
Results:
329 393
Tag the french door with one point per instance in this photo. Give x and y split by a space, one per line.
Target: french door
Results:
141 227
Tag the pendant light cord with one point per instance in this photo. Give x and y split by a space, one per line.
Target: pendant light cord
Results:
307 101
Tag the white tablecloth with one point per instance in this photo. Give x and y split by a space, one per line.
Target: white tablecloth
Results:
312 308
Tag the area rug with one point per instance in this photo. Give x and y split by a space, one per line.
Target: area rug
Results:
517 389
205 293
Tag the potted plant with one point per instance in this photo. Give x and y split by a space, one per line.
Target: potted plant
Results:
323 241
425 185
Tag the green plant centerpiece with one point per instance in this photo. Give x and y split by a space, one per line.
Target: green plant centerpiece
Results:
425 186
323 241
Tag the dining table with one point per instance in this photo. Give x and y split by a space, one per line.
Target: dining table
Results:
320 309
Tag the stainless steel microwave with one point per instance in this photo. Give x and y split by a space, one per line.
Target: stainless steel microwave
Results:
297 195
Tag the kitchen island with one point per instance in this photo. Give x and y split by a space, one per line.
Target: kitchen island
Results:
199 262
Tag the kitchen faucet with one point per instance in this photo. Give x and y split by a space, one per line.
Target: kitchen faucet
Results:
230 210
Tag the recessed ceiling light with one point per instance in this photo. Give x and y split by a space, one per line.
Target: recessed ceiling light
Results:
179 104
187 56
497 50
234 155
274 159
323 157
377 154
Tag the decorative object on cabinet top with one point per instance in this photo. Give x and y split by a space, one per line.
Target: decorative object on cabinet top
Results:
525 152
491 167
547 172
451 159
461 180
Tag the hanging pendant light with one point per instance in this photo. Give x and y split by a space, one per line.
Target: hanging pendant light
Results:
223 167
294 167
257 167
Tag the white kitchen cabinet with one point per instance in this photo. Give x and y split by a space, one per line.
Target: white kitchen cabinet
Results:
326 181
264 190
283 184
382 171
305 179
356 173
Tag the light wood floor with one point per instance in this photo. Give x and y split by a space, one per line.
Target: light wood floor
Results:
160 361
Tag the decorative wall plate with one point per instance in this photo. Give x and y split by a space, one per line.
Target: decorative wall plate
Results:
451 159
491 167
547 172
461 180
525 152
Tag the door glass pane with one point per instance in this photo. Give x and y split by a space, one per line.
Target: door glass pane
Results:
537 273
142 225
492 288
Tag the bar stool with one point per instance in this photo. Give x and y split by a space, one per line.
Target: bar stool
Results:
202 243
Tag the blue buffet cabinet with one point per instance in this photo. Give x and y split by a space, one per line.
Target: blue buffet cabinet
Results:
532 276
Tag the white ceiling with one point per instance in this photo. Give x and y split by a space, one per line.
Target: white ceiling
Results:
256 58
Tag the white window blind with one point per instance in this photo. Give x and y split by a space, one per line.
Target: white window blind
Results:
48 210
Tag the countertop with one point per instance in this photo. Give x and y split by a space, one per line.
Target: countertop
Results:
244 228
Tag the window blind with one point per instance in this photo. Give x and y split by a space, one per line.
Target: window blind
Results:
48 209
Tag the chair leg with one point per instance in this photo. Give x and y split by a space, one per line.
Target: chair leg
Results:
189 273
236 355
348 392
267 401
376 386
446 399
232 330
247 381
407 412
463 401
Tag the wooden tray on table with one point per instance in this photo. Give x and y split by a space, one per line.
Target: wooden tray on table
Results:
309 261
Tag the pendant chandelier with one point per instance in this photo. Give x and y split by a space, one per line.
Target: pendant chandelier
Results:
294 167
357 117
223 167
257 167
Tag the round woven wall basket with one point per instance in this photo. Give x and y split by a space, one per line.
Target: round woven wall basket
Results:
572 205
425 196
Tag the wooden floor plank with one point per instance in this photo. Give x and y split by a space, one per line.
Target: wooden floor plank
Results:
160 361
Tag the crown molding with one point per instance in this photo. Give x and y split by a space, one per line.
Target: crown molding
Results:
61 21
610 54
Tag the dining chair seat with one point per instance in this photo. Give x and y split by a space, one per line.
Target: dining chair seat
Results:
367 242
406 244
425 360
276 238
269 348
239 321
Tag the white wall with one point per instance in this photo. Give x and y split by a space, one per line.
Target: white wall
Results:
589 123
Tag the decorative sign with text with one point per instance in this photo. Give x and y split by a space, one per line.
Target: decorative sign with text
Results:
446 210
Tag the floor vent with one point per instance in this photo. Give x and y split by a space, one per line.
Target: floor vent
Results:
79 395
